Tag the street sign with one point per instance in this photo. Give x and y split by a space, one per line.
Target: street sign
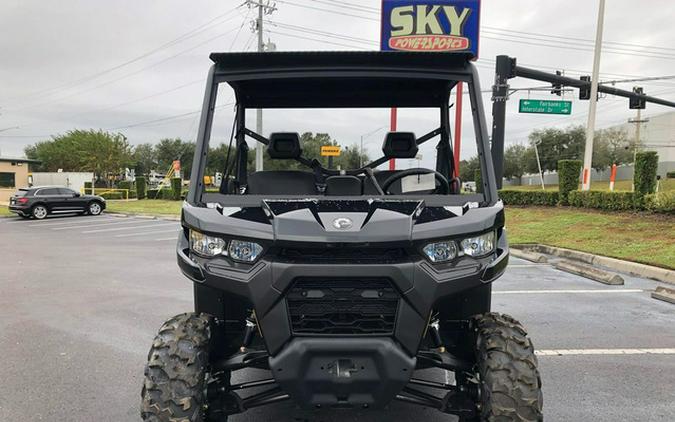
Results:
430 25
545 107
330 151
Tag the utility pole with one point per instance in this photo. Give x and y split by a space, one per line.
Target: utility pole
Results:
590 128
265 7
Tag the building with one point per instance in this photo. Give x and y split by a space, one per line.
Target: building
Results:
13 175
658 134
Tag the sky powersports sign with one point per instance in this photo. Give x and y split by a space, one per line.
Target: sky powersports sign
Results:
428 25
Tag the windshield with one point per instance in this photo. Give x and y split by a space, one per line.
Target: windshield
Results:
323 138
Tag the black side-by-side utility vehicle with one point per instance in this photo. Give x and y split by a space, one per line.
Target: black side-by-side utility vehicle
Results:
342 283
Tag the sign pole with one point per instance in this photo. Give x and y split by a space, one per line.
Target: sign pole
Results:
458 127
392 128
590 129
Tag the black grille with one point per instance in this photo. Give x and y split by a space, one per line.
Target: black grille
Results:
342 307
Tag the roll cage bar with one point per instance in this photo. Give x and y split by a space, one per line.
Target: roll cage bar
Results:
341 79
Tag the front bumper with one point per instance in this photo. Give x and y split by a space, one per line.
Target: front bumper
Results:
312 368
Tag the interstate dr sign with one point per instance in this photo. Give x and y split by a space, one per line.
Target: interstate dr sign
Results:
545 107
431 25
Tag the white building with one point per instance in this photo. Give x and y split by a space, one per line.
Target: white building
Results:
658 134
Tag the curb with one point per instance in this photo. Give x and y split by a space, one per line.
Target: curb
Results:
143 216
529 256
632 268
605 277
664 294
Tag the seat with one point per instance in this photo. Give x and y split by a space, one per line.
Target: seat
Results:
281 182
282 146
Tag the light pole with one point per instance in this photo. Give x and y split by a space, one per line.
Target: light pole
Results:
541 175
366 136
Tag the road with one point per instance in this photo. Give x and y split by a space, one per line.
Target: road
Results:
82 297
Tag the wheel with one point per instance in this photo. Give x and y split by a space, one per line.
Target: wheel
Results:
510 385
39 212
177 371
94 208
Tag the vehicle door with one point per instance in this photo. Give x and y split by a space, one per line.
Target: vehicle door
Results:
52 198
73 200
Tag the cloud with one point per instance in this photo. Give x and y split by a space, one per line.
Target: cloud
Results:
55 57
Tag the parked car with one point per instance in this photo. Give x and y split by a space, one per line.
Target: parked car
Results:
40 201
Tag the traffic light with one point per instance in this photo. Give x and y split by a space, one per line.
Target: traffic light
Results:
585 93
557 87
637 103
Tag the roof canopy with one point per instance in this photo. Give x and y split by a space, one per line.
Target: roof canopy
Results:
341 79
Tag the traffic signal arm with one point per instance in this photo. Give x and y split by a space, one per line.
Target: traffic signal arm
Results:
538 75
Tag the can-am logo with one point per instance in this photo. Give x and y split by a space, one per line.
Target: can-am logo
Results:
430 25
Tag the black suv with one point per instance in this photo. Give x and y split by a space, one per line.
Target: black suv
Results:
40 201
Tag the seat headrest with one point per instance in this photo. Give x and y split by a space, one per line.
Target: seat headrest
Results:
284 145
400 145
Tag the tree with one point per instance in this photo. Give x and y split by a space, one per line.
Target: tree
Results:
97 151
145 158
514 163
468 168
168 150
617 146
556 144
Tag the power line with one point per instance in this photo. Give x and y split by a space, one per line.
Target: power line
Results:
190 34
125 76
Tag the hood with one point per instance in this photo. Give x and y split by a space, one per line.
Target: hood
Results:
320 220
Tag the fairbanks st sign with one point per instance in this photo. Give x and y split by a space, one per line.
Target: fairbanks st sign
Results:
545 107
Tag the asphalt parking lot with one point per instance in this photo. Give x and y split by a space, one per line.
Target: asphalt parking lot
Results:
82 297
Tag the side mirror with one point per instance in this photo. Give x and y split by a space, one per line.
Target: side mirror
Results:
76 194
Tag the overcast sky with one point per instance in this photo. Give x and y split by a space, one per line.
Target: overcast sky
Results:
138 67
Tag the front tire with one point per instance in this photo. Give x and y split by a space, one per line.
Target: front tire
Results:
176 373
39 212
510 384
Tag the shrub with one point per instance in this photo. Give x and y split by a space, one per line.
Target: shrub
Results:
478 178
604 200
662 202
87 188
152 193
140 187
568 178
644 178
113 195
525 197
670 175
176 186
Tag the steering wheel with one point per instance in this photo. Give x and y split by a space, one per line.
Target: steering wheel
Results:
443 182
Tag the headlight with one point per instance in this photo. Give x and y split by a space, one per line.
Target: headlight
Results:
441 251
244 251
447 250
206 245
479 245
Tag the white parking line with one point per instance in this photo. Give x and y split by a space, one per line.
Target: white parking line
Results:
67 220
144 233
594 352
105 223
570 291
130 228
